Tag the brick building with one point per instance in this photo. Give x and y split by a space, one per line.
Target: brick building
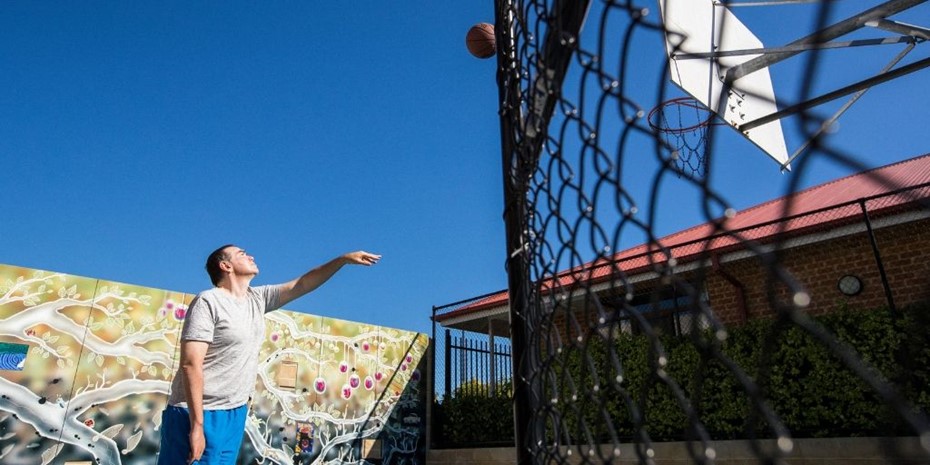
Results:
862 241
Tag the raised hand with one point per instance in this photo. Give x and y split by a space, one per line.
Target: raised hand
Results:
361 258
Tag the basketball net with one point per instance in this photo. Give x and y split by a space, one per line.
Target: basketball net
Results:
682 123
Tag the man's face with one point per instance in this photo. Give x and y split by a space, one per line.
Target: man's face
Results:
241 262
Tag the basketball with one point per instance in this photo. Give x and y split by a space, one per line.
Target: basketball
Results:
480 40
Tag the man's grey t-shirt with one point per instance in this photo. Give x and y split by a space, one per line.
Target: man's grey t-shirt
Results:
234 328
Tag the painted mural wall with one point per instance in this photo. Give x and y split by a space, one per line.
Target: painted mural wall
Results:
86 365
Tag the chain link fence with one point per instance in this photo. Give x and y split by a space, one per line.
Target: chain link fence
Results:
605 348
860 254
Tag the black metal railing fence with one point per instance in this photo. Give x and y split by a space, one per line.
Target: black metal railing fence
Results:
472 382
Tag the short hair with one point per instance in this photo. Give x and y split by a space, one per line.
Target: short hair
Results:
213 263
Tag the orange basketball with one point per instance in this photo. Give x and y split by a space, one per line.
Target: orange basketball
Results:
480 40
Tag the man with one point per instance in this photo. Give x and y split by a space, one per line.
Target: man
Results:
220 340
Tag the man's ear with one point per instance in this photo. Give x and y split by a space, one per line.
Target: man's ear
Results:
225 266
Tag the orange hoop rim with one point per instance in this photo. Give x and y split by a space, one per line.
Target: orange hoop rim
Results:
686 102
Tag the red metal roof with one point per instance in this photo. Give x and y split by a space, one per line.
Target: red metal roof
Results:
788 214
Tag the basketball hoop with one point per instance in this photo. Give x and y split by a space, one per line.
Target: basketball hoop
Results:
682 122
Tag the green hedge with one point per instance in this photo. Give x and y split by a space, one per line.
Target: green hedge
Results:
474 418
806 385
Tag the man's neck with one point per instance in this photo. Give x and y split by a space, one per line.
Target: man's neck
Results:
237 286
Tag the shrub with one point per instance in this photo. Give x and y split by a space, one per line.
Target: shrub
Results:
609 390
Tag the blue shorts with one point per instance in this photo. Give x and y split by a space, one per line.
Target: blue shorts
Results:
222 430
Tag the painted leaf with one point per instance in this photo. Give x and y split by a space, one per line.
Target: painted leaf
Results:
132 442
6 450
51 453
110 432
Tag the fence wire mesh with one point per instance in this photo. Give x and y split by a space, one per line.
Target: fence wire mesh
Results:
664 343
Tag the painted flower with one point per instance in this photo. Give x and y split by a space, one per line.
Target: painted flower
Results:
366 346
89 422
403 367
343 367
319 385
378 375
275 336
346 391
369 383
180 312
409 358
354 381
168 308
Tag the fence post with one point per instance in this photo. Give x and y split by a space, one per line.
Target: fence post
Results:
878 258
515 209
448 371
430 391
491 355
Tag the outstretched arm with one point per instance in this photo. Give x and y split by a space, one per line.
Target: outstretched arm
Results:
319 275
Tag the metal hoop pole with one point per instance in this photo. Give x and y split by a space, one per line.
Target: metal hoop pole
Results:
508 85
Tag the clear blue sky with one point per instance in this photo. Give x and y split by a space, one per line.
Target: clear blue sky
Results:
135 137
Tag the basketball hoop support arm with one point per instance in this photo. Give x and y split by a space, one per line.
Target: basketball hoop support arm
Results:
839 29
829 122
864 84
909 39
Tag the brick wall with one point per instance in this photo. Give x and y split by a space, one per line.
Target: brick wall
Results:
905 253
825 451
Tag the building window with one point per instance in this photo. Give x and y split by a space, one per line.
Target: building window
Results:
667 311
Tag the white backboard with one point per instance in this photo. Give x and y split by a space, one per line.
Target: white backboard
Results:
699 26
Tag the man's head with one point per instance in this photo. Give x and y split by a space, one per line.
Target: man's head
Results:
229 259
